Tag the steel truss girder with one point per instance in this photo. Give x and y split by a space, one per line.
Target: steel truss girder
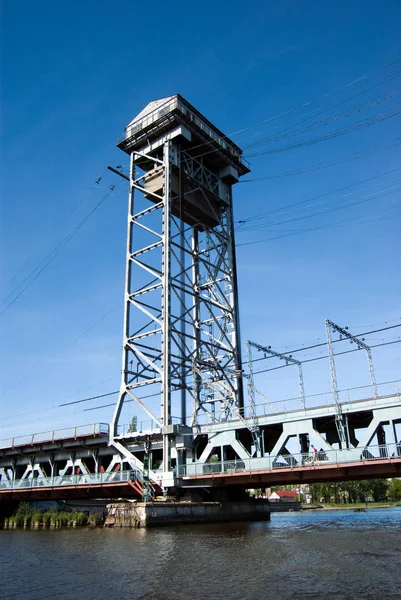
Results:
181 329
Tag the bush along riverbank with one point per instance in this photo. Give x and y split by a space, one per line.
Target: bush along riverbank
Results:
27 516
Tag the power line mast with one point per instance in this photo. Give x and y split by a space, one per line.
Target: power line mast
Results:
288 360
344 333
181 323
254 428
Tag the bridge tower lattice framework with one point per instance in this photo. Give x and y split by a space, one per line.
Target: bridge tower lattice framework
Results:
181 323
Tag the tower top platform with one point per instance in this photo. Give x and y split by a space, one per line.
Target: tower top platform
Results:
198 135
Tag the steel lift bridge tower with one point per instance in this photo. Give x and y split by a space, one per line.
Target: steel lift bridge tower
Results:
181 349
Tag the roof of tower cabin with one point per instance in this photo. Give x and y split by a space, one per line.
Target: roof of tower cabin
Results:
156 104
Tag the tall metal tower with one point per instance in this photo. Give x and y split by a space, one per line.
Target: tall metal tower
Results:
181 348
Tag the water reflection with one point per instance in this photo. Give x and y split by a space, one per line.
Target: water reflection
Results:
322 555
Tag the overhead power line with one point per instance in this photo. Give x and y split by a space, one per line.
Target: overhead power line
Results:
370 332
327 356
288 352
319 196
343 223
300 216
42 360
308 102
327 164
328 136
290 131
38 270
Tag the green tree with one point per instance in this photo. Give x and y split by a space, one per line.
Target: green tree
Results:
348 491
394 490
132 427
316 490
363 489
378 489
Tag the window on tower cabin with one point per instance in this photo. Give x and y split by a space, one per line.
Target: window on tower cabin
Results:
164 110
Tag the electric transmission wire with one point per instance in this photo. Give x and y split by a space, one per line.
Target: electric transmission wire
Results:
312 347
327 164
397 341
382 323
106 394
53 251
35 273
300 216
55 354
329 136
255 373
320 227
306 103
318 197
289 131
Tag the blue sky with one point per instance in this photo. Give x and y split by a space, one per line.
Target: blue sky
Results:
74 74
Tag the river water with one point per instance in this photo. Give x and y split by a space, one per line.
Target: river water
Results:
313 554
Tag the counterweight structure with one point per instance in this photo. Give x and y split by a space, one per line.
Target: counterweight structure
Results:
181 349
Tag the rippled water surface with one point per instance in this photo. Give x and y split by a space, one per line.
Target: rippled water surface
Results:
321 555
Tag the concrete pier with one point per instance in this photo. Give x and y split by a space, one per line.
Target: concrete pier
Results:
155 514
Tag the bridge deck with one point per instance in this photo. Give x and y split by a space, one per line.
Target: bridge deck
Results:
99 485
300 474
334 465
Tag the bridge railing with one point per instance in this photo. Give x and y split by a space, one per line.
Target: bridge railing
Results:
56 434
291 461
140 426
326 399
82 479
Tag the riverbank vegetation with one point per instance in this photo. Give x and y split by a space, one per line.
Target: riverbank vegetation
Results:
31 517
354 492
372 492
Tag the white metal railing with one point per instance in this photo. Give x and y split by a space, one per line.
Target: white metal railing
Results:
57 434
347 396
83 479
324 400
169 106
291 461
145 426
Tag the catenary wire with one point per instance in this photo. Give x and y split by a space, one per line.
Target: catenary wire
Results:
327 164
319 196
52 255
94 397
306 103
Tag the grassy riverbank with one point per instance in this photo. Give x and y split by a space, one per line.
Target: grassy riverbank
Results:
30 517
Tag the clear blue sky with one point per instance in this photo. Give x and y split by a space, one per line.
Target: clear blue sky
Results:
73 74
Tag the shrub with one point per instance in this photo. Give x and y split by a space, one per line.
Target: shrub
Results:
46 518
95 519
37 516
63 517
80 518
